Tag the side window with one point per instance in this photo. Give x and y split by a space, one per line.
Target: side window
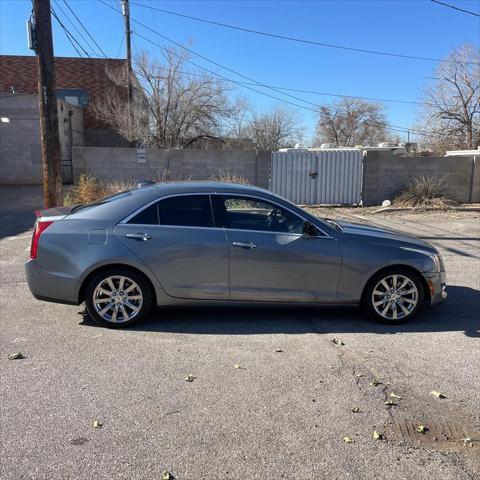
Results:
186 211
245 213
148 216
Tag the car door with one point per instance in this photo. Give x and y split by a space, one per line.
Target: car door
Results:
271 259
177 239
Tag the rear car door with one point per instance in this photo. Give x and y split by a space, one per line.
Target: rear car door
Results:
270 257
176 237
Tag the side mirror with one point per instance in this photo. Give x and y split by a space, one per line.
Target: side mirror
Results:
309 230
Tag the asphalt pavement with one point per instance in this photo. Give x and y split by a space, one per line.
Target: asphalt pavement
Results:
271 395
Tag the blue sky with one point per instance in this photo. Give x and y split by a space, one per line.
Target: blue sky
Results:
412 27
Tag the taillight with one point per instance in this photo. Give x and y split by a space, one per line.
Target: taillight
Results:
40 226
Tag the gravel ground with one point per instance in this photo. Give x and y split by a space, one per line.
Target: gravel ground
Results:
281 415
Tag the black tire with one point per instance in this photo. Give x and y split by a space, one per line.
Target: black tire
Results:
367 302
142 289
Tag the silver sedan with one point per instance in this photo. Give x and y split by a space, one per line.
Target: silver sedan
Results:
205 243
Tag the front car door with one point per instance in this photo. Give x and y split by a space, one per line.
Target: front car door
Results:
176 237
270 257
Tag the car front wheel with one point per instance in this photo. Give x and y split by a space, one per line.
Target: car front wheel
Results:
393 296
117 299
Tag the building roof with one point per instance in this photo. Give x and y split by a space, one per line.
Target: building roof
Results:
19 74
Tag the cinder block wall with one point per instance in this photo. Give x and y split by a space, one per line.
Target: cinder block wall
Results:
125 163
20 160
385 175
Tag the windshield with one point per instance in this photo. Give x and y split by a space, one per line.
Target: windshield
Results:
109 199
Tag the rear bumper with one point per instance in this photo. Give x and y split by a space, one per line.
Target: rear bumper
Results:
49 286
437 285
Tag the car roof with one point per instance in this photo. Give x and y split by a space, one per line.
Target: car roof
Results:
166 188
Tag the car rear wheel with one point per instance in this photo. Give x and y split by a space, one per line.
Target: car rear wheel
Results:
116 298
393 296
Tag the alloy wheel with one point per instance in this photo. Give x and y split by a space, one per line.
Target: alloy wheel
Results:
117 299
395 297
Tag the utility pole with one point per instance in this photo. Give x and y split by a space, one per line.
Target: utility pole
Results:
49 139
126 16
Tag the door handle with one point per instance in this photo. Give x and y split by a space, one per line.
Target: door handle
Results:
139 236
244 244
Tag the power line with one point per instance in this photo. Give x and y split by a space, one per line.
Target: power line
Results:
215 63
294 39
69 35
277 89
313 92
226 78
242 84
86 31
73 25
257 83
456 8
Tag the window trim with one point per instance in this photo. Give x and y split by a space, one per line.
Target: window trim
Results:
210 195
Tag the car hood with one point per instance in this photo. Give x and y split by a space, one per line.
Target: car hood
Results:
381 233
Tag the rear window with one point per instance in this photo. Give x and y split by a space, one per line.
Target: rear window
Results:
186 211
111 198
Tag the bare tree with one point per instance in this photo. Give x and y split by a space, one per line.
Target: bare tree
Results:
451 115
240 114
277 128
351 122
113 108
175 106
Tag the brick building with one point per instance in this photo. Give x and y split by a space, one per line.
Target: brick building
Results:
79 81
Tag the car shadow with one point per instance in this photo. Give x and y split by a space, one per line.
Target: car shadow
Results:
458 313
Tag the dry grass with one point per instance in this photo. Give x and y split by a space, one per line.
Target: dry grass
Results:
167 175
228 177
89 189
424 191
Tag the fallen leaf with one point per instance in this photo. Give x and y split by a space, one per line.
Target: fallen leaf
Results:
238 366
437 394
167 476
347 439
15 356
279 350
337 341
422 429
190 378
375 383
394 395
390 403
97 424
377 435
359 375
355 410
467 440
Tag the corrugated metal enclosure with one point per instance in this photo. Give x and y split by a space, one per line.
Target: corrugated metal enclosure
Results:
320 177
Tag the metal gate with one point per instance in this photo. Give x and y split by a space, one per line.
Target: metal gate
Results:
323 177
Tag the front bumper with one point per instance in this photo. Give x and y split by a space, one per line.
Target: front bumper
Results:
437 285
